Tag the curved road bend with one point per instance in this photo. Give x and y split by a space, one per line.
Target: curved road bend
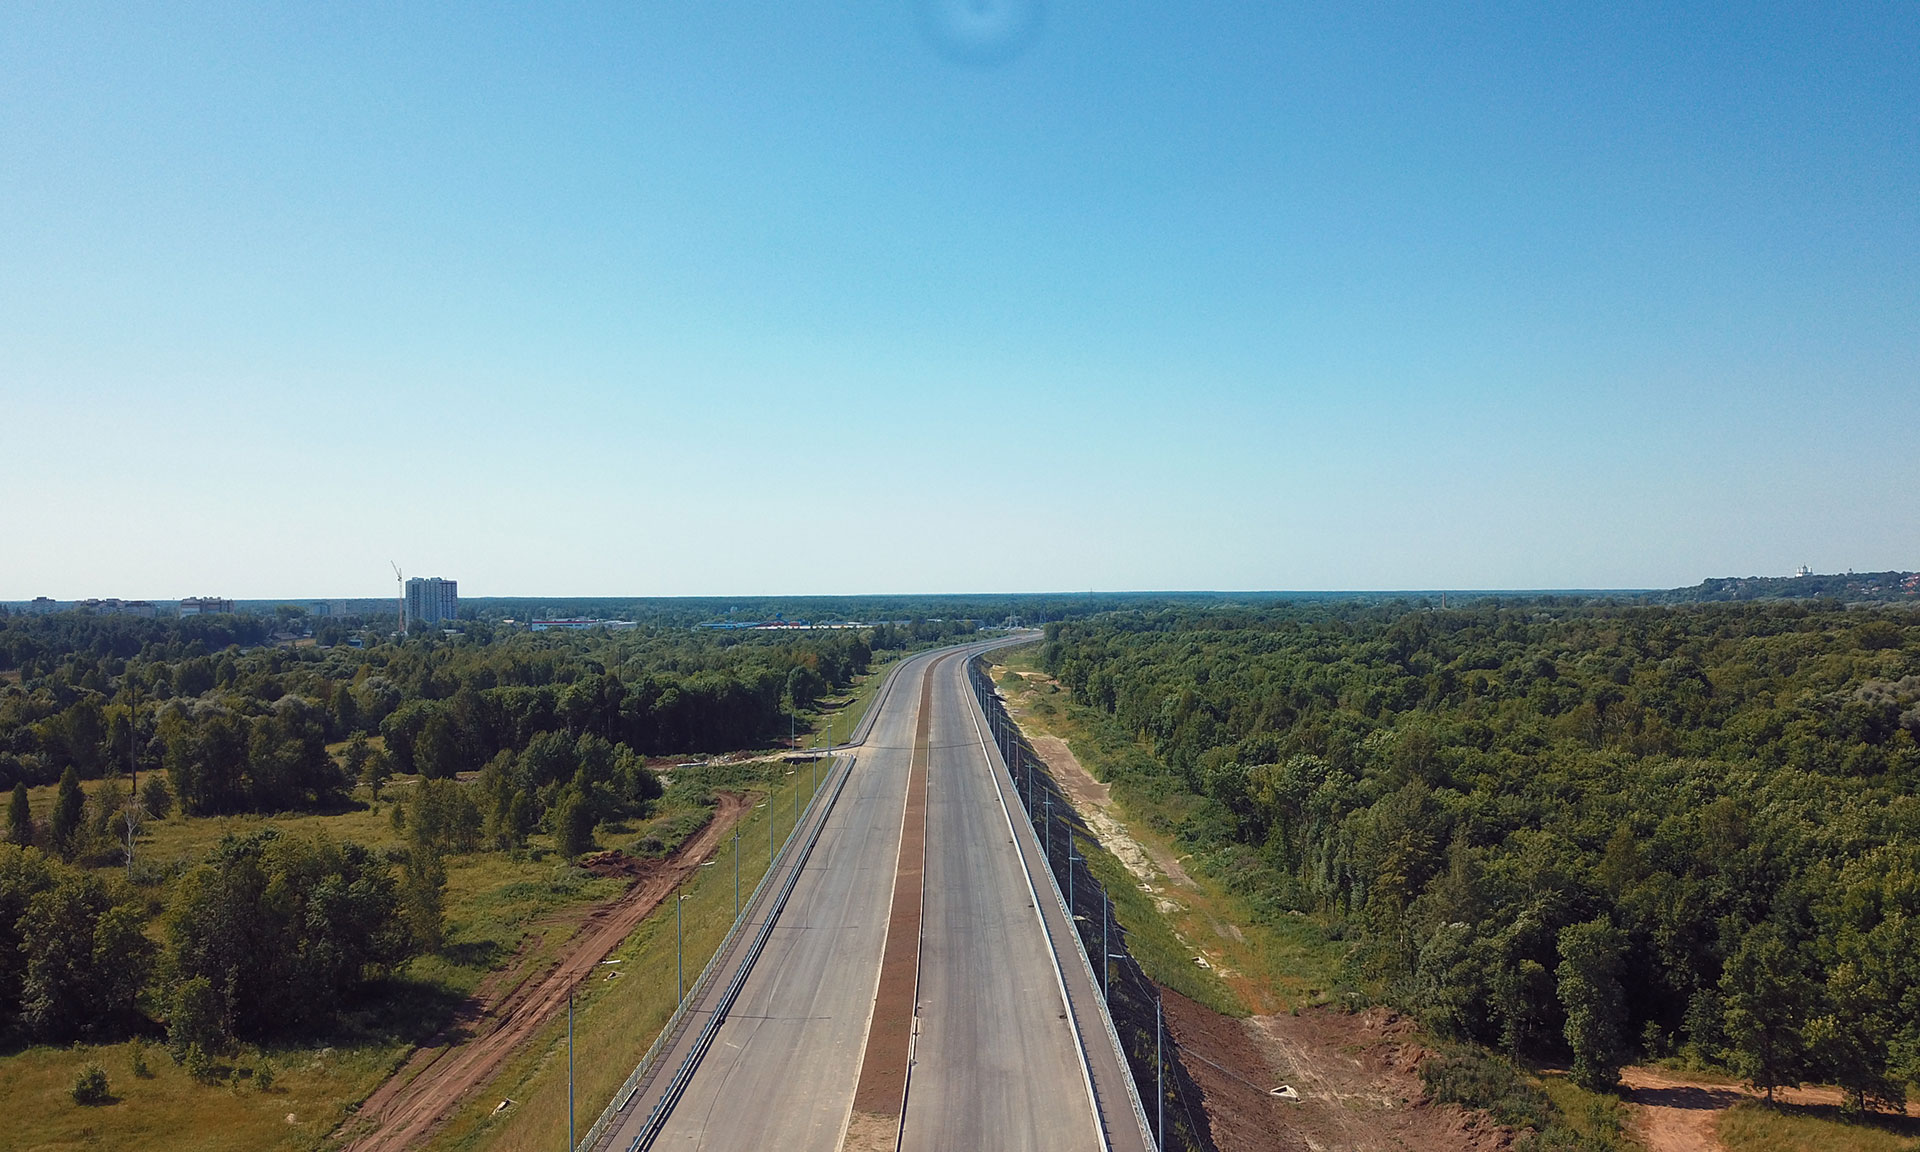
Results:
996 1065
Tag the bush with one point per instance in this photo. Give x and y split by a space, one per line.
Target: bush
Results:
200 1065
263 1076
137 1056
90 1086
1480 1080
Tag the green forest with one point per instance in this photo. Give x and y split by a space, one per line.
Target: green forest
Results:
1572 830
274 932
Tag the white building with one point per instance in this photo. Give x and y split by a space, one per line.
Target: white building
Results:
204 606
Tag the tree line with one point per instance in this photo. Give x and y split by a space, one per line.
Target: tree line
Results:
247 729
279 932
1579 830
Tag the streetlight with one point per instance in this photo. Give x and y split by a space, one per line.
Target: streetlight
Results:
736 872
679 950
1106 969
1070 859
570 1141
1159 1086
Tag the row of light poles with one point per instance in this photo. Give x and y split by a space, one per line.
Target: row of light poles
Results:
1002 725
679 923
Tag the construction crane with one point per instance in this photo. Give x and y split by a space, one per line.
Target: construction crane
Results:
399 595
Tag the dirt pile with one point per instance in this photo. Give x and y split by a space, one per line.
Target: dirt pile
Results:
1344 1082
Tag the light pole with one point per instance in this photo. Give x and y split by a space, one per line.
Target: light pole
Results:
570 1143
1069 873
1048 822
1159 1087
736 873
1106 966
679 952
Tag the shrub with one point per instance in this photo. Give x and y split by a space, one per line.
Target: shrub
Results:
199 1064
137 1056
90 1086
1480 1080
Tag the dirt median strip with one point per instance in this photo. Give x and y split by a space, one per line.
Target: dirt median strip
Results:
879 1099
428 1089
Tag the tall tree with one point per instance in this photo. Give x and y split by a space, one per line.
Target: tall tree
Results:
1590 992
20 816
1767 994
69 808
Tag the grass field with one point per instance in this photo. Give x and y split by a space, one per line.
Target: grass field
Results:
619 1013
1756 1127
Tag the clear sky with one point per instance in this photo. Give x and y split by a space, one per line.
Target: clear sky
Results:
662 298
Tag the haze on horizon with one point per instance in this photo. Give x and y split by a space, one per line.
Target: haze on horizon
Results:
837 298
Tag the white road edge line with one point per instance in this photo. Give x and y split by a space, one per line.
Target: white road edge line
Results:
1053 954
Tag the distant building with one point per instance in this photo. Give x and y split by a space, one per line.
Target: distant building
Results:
204 606
43 606
579 624
114 606
431 600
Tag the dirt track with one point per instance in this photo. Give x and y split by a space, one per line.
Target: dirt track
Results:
402 1112
1674 1112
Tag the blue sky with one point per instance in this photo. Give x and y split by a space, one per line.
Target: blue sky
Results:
658 298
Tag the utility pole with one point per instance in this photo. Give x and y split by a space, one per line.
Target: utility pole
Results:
570 1142
1069 873
133 772
1047 823
1159 1086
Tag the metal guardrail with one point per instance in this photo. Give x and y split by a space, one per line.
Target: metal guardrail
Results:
989 702
678 1085
679 1021
676 1024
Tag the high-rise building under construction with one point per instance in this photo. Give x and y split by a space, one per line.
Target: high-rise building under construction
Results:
431 600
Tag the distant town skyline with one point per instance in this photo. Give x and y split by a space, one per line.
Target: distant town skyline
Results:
682 300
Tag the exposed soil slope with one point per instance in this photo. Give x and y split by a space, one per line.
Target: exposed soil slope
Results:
1355 1081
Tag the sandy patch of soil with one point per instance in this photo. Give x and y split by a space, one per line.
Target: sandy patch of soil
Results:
1094 802
1674 1112
509 1009
1354 1082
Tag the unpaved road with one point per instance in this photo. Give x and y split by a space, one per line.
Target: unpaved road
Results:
1673 1112
429 1087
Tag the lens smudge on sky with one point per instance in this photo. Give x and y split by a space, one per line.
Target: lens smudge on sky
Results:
981 32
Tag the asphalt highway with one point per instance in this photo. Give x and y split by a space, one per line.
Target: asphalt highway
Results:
997 1059
996 1064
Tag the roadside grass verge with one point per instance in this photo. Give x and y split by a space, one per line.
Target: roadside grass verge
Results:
1271 961
1150 939
838 716
619 1011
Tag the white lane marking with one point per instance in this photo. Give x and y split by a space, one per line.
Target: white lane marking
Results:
1053 955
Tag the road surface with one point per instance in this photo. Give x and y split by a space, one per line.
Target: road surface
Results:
1010 1051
